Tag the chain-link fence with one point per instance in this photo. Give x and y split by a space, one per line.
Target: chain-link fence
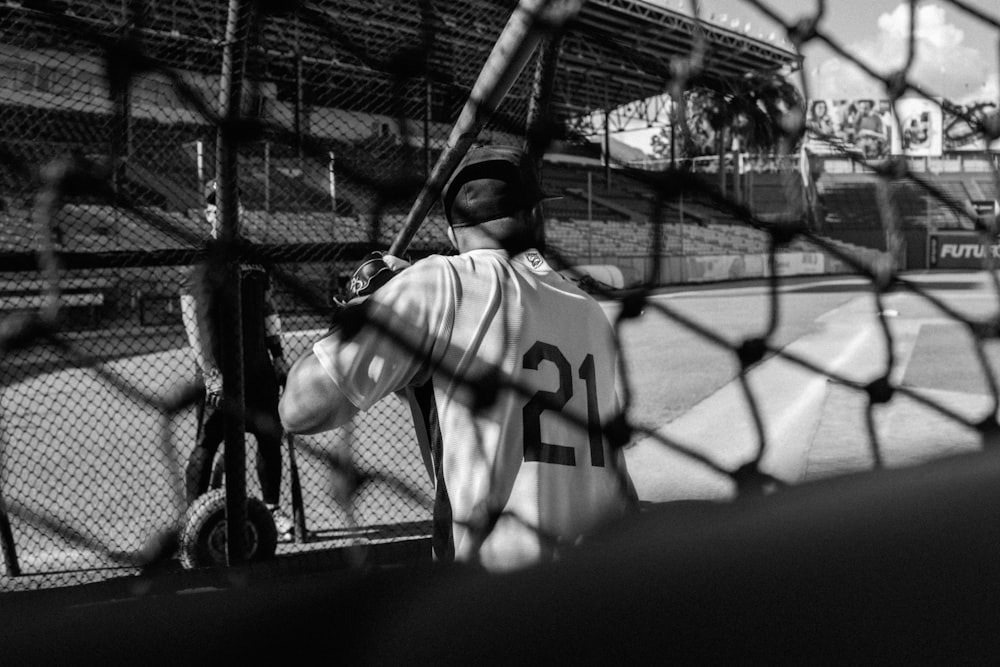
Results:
111 133
115 121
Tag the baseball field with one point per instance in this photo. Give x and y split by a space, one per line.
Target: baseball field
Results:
812 424
92 469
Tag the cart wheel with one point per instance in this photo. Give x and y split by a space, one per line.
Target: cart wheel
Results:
218 476
203 537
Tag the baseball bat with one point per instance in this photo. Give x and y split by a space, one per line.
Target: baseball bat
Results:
298 508
518 40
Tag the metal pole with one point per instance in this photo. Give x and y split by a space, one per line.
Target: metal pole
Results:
590 196
230 104
121 137
428 117
607 150
683 256
267 176
333 184
298 111
673 134
590 217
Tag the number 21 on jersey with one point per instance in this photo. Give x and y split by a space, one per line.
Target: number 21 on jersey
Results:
544 452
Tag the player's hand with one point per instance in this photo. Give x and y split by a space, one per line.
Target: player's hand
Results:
213 388
397 264
281 370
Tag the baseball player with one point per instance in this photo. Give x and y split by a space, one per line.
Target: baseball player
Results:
264 368
514 368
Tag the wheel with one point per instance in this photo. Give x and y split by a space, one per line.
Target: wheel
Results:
218 471
203 536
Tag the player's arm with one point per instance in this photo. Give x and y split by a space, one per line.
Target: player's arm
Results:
272 333
199 338
312 402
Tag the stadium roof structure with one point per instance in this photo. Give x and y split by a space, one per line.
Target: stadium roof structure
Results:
622 51
615 52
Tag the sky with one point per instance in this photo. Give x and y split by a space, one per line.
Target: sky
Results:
957 54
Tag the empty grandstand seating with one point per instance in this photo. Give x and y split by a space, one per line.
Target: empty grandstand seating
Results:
603 213
290 191
17 232
917 206
77 297
576 203
583 239
852 200
849 203
363 182
164 158
613 194
769 194
988 186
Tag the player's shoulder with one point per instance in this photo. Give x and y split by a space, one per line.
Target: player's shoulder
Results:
434 262
416 279
430 265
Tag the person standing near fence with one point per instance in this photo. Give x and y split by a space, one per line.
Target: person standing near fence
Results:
264 366
514 366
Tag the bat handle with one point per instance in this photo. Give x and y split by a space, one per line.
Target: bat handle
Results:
298 508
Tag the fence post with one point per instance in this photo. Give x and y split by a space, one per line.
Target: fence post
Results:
333 184
230 105
299 105
428 119
267 175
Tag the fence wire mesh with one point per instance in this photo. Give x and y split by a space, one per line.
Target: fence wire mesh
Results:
111 129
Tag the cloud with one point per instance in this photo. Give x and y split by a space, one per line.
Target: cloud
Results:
944 63
989 90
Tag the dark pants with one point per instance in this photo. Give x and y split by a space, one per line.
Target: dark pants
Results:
262 422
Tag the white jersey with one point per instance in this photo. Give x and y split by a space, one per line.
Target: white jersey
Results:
521 471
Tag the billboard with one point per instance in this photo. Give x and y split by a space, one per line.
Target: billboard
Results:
861 126
961 250
920 127
962 127
867 127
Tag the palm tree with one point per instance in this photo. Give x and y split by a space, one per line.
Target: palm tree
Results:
758 112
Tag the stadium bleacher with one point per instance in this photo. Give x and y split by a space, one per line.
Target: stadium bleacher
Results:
850 203
601 211
768 194
613 193
17 233
852 200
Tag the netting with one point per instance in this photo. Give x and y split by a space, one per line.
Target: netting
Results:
114 121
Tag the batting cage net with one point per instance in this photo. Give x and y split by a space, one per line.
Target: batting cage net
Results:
315 125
